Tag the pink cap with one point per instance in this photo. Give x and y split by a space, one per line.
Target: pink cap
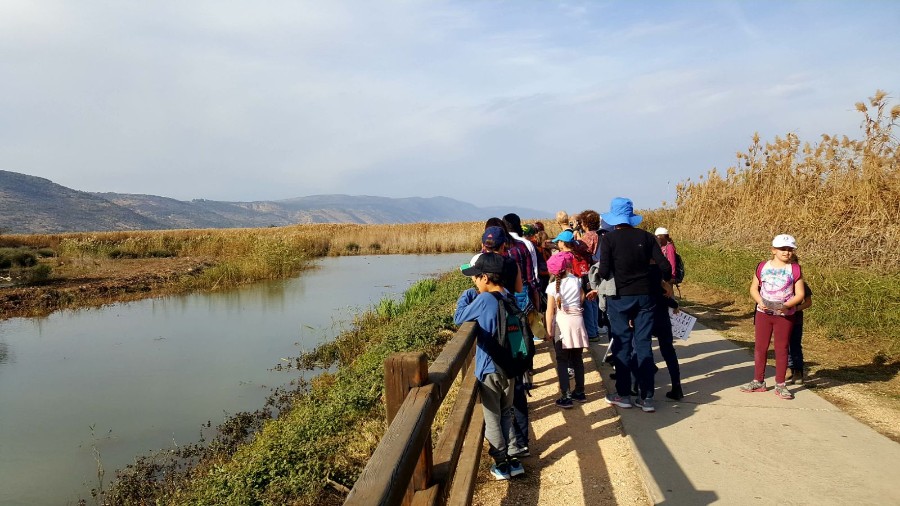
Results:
559 262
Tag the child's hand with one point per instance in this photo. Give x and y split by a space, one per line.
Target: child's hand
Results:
592 295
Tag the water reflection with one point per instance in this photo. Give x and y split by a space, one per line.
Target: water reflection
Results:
131 378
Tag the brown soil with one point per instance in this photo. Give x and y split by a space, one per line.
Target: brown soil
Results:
90 283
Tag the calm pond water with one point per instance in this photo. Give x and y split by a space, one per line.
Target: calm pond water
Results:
136 377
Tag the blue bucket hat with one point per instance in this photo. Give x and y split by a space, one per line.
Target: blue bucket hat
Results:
621 212
565 236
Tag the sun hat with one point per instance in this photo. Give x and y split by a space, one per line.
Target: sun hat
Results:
784 241
493 237
559 262
621 212
661 231
485 263
564 236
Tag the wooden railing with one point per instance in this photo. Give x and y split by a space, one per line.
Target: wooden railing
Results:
404 469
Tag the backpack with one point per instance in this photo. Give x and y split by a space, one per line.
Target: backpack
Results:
679 270
516 355
795 271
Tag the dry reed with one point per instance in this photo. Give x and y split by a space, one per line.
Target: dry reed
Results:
840 197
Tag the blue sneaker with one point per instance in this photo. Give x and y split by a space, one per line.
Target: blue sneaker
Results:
617 400
646 405
500 471
515 467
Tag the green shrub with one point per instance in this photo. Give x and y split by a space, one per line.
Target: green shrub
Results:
17 257
39 274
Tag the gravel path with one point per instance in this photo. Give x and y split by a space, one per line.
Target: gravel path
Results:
579 455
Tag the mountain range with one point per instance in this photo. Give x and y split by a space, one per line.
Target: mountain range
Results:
34 205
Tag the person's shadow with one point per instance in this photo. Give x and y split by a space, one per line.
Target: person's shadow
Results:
669 483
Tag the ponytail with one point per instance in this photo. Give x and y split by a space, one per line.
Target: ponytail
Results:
558 294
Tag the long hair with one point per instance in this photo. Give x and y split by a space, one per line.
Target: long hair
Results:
558 294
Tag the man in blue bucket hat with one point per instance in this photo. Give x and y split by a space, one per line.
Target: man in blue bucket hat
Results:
626 253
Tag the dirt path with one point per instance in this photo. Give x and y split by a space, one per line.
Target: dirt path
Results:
579 456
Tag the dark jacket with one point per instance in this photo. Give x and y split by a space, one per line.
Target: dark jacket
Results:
626 253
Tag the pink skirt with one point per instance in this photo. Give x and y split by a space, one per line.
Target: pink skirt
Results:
571 330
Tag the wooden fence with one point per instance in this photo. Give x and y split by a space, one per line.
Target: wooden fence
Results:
404 469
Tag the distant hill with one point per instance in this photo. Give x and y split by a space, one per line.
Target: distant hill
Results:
30 205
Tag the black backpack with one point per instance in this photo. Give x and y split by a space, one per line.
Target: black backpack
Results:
516 354
679 270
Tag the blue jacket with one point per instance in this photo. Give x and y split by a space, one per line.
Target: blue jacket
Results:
484 309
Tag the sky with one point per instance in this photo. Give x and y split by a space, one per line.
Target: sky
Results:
541 104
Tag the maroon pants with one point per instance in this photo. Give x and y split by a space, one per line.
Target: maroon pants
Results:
766 326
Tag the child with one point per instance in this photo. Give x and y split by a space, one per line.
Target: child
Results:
662 329
494 386
778 290
564 317
795 347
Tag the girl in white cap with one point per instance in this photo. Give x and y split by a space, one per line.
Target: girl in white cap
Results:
778 289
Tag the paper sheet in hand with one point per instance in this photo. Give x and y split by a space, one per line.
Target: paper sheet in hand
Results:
682 324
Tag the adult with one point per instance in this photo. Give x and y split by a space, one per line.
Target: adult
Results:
522 251
625 254
667 246
590 220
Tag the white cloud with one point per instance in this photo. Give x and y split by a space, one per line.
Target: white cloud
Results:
246 101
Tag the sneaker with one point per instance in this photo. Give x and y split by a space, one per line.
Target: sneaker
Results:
500 471
594 339
754 386
617 400
537 340
675 394
515 467
646 405
571 372
604 331
520 453
579 396
782 391
564 402
798 377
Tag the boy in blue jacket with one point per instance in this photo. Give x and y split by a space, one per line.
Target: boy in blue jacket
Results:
480 305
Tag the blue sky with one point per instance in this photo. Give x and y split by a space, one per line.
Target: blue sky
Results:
550 105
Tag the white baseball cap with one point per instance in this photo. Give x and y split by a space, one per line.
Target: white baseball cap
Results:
661 231
784 241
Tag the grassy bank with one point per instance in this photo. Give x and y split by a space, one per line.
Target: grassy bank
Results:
858 311
331 428
89 269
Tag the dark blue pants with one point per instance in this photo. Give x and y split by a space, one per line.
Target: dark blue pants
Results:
795 345
632 341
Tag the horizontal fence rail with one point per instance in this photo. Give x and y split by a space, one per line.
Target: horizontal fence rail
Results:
405 469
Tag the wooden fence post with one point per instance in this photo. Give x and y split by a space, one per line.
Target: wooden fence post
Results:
402 372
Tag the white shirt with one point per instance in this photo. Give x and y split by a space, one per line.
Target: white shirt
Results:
531 250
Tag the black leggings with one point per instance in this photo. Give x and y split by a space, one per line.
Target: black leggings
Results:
564 360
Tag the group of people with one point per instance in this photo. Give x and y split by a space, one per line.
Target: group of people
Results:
599 275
